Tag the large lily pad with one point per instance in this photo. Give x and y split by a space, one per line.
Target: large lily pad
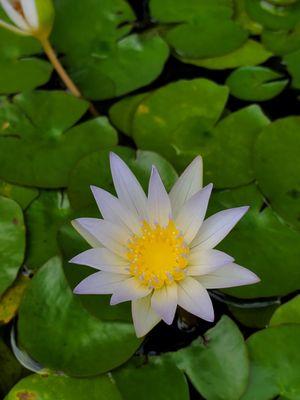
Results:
274 363
37 387
288 313
66 337
217 365
277 167
12 241
21 194
38 142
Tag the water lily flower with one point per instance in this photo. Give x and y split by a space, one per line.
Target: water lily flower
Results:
158 251
29 17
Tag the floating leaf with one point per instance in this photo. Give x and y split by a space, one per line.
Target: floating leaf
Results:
38 142
277 167
67 338
282 42
21 194
12 241
255 83
217 365
292 61
255 317
11 370
288 313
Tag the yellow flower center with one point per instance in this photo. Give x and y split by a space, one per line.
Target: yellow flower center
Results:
158 255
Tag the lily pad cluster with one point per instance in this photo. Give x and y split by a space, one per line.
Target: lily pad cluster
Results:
171 80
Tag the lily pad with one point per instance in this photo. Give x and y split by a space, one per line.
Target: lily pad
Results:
274 363
292 61
254 243
66 337
255 83
277 167
217 364
255 317
38 150
288 313
48 387
12 240
282 42
11 370
21 194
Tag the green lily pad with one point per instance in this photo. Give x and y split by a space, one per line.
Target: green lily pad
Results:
11 370
292 61
282 42
12 241
182 106
95 170
67 338
216 364
274 363
103 62
157 378
250 53
21 194
254 243
255 83
38 150
255 317
277 167
37 387
288 313
19 69
44 217
242 17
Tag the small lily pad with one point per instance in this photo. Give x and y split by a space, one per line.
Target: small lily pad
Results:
292 61
21 194
288 313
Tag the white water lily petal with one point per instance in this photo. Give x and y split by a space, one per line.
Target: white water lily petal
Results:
191 216
194 298
189 183
216 227
30 12
159 205
13 28
202 262
228 276
144 317
129 290
100 283
114 211
102 259
127 187
92 241
13 14
105 233
164 302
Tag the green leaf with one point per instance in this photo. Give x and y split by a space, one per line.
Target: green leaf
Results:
19 69
253 241
288 313
282 42
38 142
277 167
104 62
157 378
11 370
255 317
292 61
37 387
217 364
255 83
44 217
21 194
250 53
274 363
67 338
12 241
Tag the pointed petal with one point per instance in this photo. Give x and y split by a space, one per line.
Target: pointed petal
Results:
159 205
129 290
13 28
192 214
15 17
99 283
104 233
164 302
103 259
144 317
202 262
127 187
228 276
189 183
216 227
30 12
194 298
114 211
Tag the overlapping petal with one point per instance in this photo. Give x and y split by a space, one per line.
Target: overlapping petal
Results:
14 15
164 302
130 289
143 315
100 283
202 262
30 12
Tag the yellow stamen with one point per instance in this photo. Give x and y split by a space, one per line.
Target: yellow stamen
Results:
158 255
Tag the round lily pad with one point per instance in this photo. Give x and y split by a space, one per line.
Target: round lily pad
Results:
39 143
12 241
277 167
67 338
288 313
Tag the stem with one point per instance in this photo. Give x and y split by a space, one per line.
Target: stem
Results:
50 52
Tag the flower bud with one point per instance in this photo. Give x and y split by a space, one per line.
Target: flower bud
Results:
29 17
